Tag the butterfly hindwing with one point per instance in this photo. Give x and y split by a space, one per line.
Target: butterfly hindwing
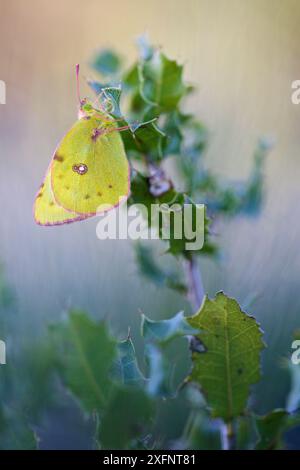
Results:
46 211
90 168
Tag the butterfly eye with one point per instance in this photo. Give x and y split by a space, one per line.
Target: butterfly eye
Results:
81 168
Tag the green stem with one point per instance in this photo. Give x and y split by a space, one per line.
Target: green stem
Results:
195 284
228 436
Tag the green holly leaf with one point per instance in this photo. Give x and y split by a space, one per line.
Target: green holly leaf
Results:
140 192
160 372
193 230
109 97
144 139
246 432
164 330
150 269
161 83
174 132
148 266
125 368
271 428
85 355
231 361
107 62
131 78
136 104
181 222
111 100
128 414
144 189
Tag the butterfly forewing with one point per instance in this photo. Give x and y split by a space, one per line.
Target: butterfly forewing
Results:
90 171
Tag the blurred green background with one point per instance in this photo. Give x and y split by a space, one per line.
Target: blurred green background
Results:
243 56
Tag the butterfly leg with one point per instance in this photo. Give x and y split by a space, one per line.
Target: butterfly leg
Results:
109 120
118 129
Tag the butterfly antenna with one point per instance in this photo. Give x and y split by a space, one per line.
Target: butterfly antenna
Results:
77 84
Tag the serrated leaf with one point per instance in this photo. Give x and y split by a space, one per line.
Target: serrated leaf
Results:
246 433
193 221
131 78
148 266
173 130
142 193
106 62
161 82
151 270
231 361
137 106
160 372
271 428
164 330
144 139
125 418
85 355
193 230
109 97
126 369
112 96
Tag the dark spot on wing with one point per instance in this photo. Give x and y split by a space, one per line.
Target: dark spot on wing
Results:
99 194
51 203
80 168
60 177
87 196
58 158
40 194
110 186
67 187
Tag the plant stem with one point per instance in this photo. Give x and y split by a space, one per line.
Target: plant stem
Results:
195 284
228 436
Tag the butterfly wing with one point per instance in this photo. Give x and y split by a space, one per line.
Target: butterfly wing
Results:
46 211
90 171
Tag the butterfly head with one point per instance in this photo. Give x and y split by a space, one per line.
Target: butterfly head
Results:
86 109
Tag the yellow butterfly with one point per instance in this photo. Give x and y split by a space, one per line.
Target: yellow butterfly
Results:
89 172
